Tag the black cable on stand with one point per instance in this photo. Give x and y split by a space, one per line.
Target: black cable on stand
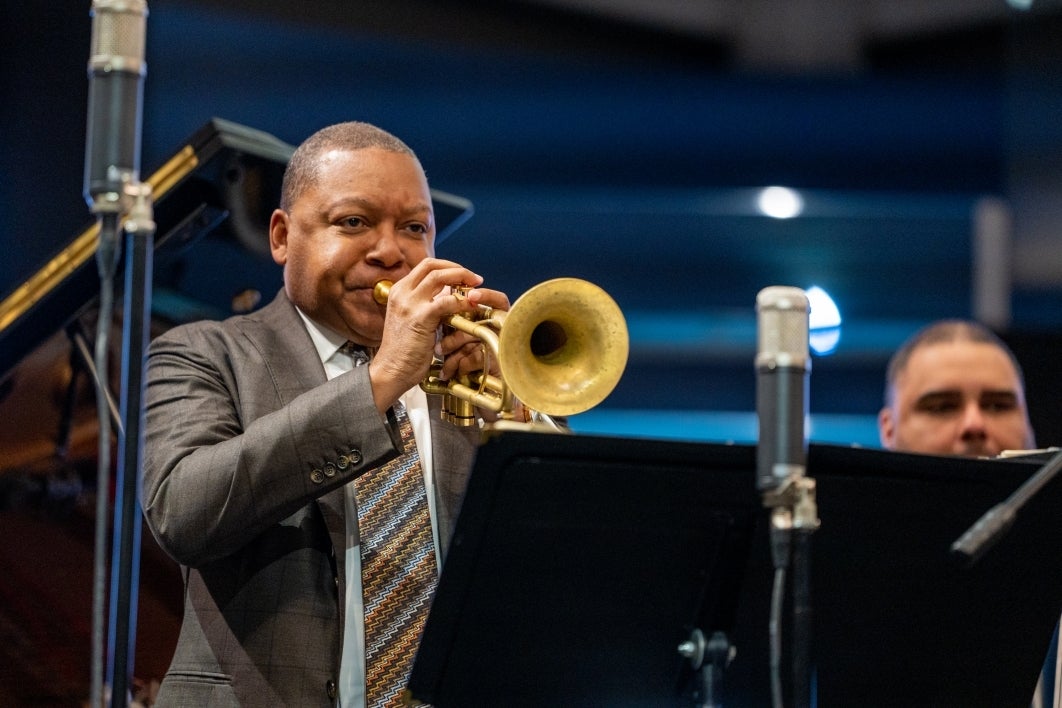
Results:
120 201
805 521
107 253
783 365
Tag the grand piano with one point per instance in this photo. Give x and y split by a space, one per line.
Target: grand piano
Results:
897 619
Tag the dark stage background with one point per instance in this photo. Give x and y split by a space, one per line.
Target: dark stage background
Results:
598 143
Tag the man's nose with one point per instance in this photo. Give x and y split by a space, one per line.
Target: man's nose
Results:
973 420
386 250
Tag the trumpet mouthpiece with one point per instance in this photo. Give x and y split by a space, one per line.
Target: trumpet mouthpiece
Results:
381 290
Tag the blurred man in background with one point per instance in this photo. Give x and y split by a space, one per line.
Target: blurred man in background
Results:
955 388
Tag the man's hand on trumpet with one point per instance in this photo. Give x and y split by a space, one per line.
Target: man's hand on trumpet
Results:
415 333
464 357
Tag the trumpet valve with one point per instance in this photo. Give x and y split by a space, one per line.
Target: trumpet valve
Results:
482 312
458 411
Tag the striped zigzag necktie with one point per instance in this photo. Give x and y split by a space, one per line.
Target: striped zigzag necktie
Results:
398 567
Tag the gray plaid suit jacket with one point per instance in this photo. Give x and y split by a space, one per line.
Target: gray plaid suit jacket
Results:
247 449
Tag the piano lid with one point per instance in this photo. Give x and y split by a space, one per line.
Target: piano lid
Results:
216 192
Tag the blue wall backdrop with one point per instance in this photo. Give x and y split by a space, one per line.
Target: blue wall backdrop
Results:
626 156
622 151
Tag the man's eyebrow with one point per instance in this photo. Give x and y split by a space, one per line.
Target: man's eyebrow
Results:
938 395
1000 393
345 201
940 392
421 209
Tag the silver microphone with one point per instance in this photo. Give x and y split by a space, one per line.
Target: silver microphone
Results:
783 366
116 70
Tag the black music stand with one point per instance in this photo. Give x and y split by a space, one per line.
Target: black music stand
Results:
579 565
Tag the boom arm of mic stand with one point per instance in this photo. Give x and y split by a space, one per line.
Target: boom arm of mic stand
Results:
996 521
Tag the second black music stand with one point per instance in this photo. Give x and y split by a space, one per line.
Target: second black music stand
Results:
577 568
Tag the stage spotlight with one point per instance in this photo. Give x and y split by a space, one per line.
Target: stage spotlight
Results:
780 202
824 321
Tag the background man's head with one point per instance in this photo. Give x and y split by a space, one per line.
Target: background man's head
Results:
954 388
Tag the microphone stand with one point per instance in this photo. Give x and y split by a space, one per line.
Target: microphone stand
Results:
793 518
138 227
122 203
996 521
125 550
782 367
805 522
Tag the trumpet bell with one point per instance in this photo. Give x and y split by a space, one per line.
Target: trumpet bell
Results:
563 346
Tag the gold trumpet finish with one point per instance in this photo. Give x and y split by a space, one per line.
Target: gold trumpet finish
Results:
561 348
564 346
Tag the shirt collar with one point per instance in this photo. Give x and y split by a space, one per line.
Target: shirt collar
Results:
324 340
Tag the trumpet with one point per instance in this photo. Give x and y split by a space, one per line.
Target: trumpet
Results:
561 349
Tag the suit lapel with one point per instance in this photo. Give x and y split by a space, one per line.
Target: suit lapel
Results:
280 335
295 367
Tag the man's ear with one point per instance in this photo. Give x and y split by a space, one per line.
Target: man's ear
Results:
278 236
886 428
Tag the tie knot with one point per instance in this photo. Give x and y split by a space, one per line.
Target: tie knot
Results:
358 353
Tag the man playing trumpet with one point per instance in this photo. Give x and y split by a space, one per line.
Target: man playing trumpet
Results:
266 441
